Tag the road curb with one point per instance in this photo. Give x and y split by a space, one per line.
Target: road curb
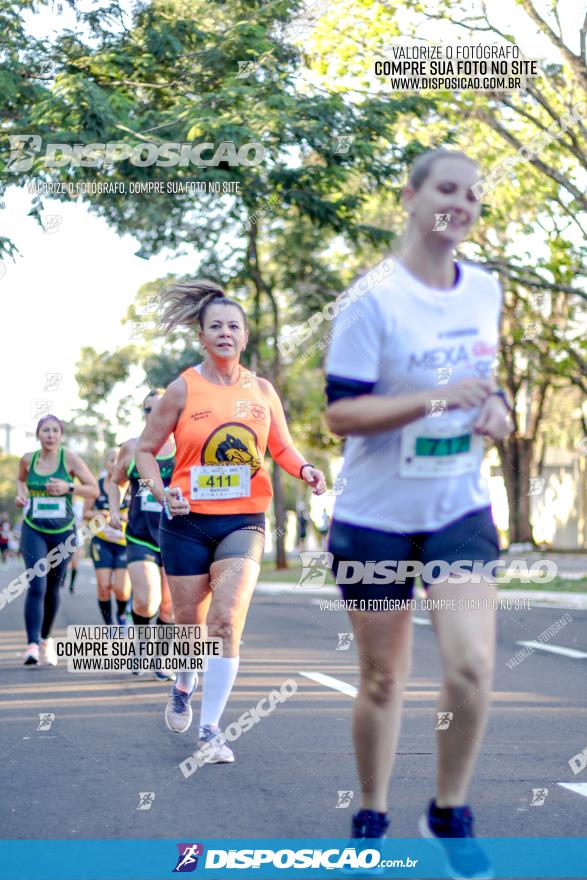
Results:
535 597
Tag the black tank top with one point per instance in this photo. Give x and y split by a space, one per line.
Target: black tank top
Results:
144 511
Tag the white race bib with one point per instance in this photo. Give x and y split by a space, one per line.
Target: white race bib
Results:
430 449
149 504
48 508
210 482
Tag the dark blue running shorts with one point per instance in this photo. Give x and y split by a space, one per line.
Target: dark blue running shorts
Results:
107 554
141 553
469 539
191 543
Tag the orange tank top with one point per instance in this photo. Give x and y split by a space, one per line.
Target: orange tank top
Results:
223 426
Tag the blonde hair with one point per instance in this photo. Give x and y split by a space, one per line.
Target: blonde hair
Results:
185 303
423 164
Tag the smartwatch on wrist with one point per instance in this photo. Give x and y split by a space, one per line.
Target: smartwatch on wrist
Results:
70 490
307 464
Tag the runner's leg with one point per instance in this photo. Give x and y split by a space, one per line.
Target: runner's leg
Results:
55 579
103 578
467 645
33 546
226 620
384 645
145 578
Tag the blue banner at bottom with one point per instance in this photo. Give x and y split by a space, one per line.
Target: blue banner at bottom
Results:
273 859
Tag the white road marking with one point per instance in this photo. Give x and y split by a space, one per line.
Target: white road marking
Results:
578 787
334 683
422 621
555 649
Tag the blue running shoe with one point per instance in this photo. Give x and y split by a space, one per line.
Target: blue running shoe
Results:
369 827
452 829
369 823
178 712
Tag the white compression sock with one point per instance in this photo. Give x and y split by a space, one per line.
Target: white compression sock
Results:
218 681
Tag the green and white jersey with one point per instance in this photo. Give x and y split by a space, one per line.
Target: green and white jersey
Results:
48 513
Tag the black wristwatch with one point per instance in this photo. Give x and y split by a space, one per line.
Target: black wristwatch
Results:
306 464
70 490
503 396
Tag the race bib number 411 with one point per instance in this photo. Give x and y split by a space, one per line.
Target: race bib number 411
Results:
434 450
210 482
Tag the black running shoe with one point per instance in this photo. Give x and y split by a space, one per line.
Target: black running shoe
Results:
452 829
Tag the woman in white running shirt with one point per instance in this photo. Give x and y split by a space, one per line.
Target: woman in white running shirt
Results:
410 384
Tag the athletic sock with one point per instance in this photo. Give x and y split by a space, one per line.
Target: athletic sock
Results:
139 620
73 577
185 681
161 622
121 607
218 682
105 610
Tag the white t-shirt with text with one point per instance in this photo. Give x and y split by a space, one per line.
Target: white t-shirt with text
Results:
410 337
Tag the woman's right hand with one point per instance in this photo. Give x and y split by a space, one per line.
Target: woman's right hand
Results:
22 500
177 505
467 394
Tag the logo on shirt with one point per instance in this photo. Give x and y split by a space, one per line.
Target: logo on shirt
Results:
202 414
465 331
233 443
248 409
439 357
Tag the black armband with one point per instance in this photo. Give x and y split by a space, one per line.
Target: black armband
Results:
339 387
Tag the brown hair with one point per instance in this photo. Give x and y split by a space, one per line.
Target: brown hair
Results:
48 418
185 303
423 164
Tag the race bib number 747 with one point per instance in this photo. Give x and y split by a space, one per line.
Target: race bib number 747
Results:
436 450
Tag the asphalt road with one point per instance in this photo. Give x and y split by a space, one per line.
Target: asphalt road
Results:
82 777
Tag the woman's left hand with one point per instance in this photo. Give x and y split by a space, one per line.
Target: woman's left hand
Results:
494 419
315 479
56 486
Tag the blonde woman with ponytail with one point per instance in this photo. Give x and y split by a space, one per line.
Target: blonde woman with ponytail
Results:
223 419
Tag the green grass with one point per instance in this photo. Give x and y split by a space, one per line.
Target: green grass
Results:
293 573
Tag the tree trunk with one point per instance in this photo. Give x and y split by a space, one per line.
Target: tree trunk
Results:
262 287
280 519
516 456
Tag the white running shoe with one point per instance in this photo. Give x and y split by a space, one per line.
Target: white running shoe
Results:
212 746
178 712
31 655
47 653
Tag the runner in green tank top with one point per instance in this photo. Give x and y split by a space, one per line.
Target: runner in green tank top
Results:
45 488
150 590
108 550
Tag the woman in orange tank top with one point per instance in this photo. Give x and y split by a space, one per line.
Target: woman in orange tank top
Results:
212 533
